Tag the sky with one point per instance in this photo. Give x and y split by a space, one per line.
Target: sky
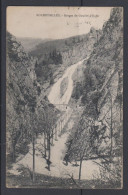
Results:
54 22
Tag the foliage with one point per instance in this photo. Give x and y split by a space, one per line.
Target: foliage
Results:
98 133
109 175
22 102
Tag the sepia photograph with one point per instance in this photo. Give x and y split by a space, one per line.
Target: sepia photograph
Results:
64 97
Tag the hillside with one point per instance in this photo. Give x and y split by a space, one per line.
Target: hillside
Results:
64 45
23 102
30 43
101 96
63 52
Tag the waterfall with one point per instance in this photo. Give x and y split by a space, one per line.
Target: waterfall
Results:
54 96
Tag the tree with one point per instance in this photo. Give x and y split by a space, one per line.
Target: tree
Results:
50 115
36 64
51 78
15 134
47 121
60 58
56 57
32 107
79 145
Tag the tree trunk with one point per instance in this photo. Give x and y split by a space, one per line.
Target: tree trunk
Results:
80 168
47 141
60 126
96 108
33 143
45 154
52 137
111 129
22 132
49 152
14 142
13 152
55 133
120 111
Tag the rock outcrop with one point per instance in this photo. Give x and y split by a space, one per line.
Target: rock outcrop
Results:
101 97
23 103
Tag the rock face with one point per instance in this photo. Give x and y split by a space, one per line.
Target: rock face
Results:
101 97
105 65
23 103
21 93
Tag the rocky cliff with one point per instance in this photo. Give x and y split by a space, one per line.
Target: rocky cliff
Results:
23 104
101 96
98 85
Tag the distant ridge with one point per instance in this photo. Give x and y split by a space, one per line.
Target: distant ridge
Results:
30 43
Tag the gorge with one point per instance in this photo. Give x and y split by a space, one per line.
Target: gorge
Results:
64 109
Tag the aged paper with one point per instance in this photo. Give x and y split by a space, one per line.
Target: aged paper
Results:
64 97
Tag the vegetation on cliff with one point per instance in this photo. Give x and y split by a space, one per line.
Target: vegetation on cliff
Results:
101 97
27 116
98 83
55 53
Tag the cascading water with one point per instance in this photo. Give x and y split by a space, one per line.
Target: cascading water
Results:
54 96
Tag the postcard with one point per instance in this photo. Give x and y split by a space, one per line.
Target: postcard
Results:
64 97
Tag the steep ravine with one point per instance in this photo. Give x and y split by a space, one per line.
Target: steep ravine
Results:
84 99
58 150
